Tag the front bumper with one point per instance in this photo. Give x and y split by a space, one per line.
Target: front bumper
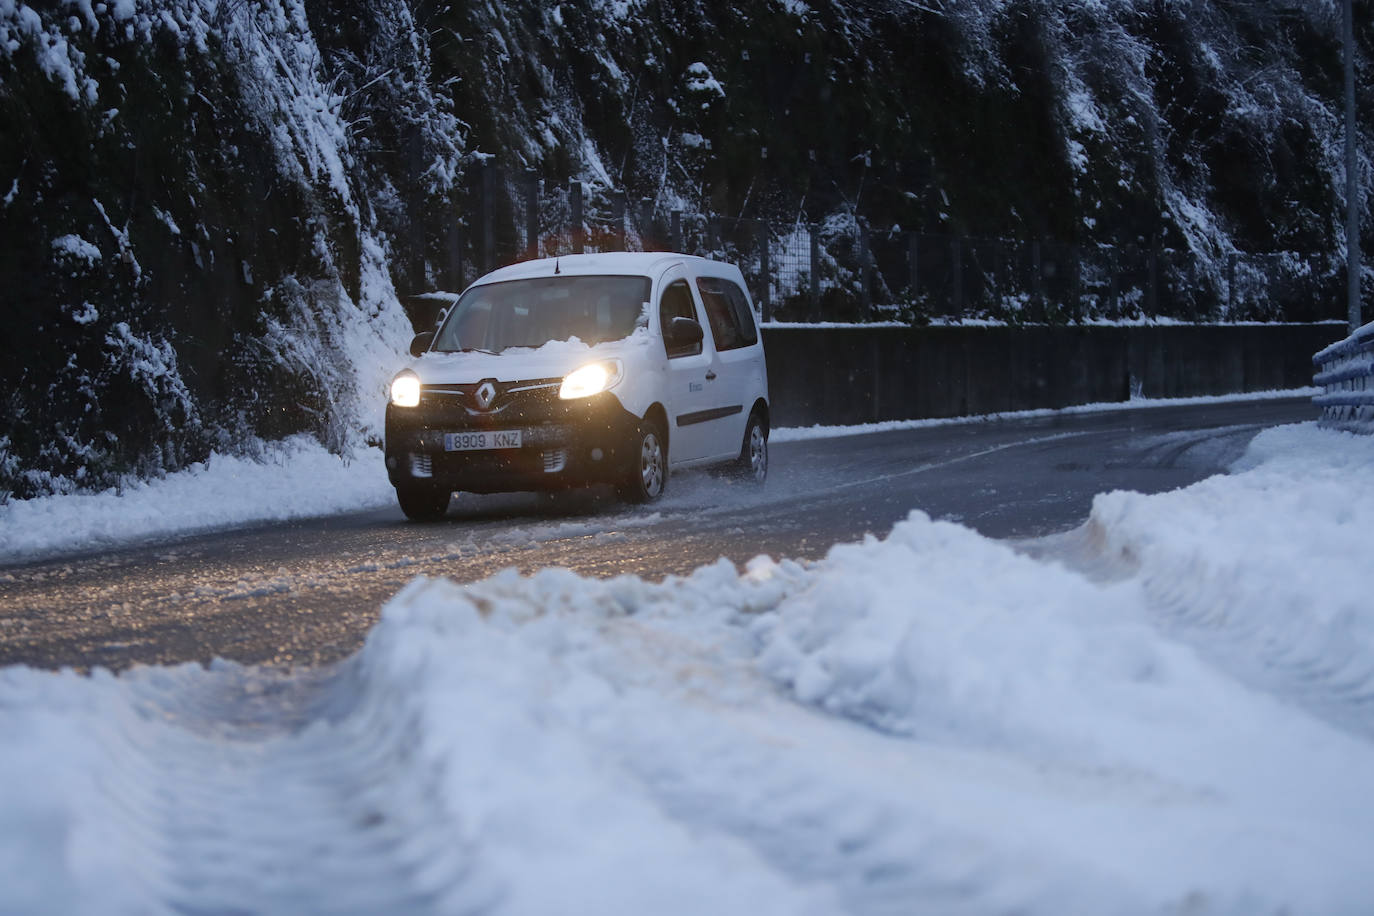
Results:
563 443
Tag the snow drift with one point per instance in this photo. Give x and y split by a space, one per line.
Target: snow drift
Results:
1173 716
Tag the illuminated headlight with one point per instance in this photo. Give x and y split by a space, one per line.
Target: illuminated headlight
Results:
591 379
405 389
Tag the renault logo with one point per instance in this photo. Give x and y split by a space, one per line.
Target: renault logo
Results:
485 394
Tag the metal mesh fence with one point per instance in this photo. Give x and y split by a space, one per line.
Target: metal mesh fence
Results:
842 270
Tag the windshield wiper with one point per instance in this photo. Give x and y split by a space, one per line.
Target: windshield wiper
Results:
475 350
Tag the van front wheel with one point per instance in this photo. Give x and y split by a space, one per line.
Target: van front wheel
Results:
647 475
423 504
752 463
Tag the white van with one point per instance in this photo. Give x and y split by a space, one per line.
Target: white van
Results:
569 371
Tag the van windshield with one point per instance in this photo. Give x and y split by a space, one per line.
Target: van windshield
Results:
534 311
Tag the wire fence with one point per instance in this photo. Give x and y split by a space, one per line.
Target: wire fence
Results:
843 270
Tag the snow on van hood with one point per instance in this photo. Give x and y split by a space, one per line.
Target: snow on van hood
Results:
553 360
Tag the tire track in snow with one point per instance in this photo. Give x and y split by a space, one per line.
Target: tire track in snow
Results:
1327 670
241 790
554 743
1315 653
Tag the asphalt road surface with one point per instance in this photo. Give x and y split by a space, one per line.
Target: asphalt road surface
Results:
307 592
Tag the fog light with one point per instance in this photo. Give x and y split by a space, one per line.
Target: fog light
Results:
596 454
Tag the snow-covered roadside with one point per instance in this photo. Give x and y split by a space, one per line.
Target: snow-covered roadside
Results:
1270 570
796 433
295 478
299 479
930 722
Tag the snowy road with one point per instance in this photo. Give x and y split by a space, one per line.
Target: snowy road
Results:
1168 709
307 592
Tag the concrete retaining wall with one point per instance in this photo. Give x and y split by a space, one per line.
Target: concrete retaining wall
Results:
863 374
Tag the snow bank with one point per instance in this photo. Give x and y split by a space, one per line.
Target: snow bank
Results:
796 433
298 479
932 721
295 478
1268 570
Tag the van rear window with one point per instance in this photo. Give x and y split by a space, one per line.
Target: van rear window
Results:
729 314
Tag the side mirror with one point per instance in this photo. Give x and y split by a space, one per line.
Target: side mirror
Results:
421 343
684 332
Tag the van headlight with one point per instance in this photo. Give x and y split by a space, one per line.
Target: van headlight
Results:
405 389
591 379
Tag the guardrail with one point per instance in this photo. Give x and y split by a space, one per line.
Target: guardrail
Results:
1345 373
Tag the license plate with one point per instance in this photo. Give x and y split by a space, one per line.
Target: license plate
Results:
481 441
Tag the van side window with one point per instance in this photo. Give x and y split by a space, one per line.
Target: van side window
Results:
677 303
728 312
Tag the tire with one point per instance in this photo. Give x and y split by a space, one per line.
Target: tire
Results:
752 463
423 504
646 477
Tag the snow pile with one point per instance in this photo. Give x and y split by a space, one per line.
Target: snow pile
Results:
993 648
930 721
295 478
1269 570
504 685
798 433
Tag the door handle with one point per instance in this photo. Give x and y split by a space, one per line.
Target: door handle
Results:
710 375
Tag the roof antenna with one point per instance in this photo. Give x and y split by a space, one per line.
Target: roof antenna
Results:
555 267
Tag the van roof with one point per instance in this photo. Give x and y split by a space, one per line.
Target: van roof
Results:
628 263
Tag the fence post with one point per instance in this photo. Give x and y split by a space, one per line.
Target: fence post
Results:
765 272
416 205
913 245
579 235
488 241
1113 257
956 267
998 282
1231 285
675 230
1314 285
1152 277
454 281
814 230
618 219
1076 283
1191 286
865 274
531 214
647 240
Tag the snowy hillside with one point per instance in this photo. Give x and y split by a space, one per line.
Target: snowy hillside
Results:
209 206
198 219
1166 711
